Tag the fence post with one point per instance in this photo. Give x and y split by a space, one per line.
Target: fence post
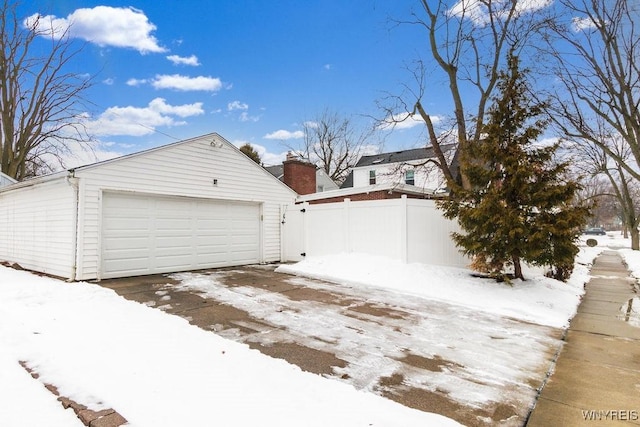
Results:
305 229
404 229
347 229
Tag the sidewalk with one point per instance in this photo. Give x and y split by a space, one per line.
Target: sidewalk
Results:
596 380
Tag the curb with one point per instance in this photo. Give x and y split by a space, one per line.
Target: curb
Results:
88 417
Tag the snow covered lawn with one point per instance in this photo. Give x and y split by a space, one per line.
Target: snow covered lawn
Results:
155 369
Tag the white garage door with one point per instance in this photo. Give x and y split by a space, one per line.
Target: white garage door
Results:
153 234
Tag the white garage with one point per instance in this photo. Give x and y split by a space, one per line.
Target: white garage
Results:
194 204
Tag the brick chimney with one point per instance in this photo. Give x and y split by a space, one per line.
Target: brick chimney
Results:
299 176
291 156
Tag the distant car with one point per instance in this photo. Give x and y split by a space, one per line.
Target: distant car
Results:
596 231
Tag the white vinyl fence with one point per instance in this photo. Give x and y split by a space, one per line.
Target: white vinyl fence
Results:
411 230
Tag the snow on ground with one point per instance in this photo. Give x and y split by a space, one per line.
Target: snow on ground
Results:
539 299
468 342
630 312
155 369
26 402
473 324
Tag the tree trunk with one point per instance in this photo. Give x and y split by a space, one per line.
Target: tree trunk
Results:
517 268
635 238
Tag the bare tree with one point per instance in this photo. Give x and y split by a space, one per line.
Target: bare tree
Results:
621 185
597 66
39 99
468 44
335 143
627 192
596 192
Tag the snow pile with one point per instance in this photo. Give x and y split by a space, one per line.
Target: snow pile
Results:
155 369
539 299
632 259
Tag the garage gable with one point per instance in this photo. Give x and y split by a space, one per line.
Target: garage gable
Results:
204 165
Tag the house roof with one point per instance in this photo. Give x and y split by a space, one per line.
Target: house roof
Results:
276 170
396 157
215 139
401 156
387 186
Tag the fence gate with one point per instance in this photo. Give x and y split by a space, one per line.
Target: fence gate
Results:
293 235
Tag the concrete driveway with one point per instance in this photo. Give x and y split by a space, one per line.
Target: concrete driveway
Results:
380 342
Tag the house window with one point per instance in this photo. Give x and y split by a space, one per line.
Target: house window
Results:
410 177
372 177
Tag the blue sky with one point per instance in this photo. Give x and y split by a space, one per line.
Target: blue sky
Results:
251 70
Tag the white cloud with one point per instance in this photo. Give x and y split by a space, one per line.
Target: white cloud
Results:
182 60
581 24
470 9
137 121
477 11
86 157
405 121
245 117
284 135
124 27
271 159
109 81
237 105
136 82
186 110
79 154
369 150
524 6
186 83
267 158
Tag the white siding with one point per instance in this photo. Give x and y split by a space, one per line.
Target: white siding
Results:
426 176
184 169
323 182
37 227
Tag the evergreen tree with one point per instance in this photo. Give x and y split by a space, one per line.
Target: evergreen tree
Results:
250 152
519 208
